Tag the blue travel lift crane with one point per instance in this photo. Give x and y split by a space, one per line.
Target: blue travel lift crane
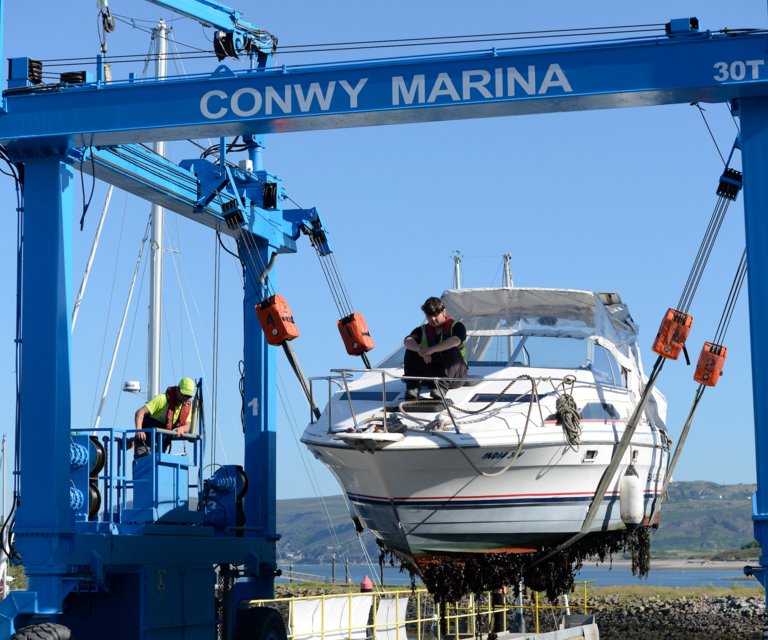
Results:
147 569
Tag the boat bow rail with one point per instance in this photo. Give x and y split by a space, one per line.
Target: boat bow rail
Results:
372 401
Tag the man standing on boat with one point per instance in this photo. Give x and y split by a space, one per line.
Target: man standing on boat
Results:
170 410
435 349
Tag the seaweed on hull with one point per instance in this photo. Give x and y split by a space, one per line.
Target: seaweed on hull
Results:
450 577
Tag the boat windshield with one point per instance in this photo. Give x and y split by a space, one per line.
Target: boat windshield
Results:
542 352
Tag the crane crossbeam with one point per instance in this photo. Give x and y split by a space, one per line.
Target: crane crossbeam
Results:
684 68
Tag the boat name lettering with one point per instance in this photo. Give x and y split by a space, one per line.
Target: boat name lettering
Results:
419 89
499 455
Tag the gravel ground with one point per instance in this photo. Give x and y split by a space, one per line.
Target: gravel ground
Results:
695 618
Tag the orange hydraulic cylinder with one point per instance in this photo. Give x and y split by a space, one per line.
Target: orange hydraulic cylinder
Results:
710 365
672 334
354 332
276 320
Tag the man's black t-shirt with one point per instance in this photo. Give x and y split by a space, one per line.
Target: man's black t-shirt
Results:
457 330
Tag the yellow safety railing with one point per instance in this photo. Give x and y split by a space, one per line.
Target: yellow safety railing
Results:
423 619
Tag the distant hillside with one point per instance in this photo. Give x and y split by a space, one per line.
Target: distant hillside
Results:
699 519
703 518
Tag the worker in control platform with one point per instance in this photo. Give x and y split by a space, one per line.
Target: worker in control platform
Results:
435 349
170 410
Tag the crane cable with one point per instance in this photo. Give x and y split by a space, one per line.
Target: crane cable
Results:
722 328
253 265
727 190
332 275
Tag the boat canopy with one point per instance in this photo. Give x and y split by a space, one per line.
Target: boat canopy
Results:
564 313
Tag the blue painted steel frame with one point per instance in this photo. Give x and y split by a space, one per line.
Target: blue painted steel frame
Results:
688 67
39 126
753 115
44 521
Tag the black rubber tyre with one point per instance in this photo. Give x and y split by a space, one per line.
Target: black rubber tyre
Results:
44 631
260 623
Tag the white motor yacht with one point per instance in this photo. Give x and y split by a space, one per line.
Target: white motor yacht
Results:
511 460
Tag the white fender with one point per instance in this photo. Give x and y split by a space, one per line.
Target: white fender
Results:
631 502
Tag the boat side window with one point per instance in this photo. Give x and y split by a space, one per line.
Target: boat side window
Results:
599 411
605 367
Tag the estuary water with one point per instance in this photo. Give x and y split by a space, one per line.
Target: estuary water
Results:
662 574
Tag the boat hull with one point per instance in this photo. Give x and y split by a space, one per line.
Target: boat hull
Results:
440 497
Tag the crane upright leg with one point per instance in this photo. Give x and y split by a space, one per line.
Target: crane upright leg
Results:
44 523
753 114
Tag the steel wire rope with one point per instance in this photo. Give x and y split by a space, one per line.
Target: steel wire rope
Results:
709 129
331 282
702 257
332 275
710 235
472 41
397 42
542 32
342 286
733 296
722 328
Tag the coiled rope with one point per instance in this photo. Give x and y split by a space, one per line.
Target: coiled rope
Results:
568 413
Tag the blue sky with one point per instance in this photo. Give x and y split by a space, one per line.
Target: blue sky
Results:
605 200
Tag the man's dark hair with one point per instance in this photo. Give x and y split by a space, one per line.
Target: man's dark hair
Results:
432 306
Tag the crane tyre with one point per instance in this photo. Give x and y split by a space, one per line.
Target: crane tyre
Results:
260 623
44 631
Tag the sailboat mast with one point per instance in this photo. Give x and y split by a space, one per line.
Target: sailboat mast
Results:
507 271
159 34
456 270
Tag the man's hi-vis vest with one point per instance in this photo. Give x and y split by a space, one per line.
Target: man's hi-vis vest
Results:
428 335
172 398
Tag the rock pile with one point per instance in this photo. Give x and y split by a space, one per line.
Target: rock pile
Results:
693 618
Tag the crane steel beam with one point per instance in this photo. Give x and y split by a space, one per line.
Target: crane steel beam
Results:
679 68
196 189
